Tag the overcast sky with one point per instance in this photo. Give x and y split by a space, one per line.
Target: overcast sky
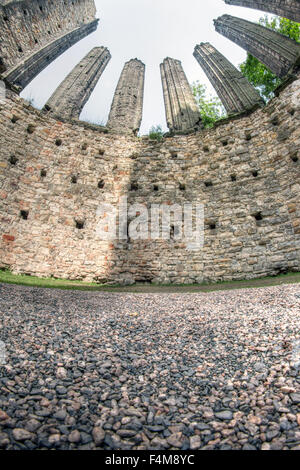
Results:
149 30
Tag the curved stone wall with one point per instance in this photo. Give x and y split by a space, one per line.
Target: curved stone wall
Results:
54 175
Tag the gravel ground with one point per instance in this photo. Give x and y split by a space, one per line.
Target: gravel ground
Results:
104 370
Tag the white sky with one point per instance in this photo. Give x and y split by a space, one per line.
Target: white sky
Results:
149 30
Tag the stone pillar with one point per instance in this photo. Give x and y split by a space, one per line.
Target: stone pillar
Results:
182 112
127 107
22 74
287 9
234 90
70 97
279 53
26 26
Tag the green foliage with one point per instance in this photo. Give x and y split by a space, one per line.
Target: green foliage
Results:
211 108
256 72
156 133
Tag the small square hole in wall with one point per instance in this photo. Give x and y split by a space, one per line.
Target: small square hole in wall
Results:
74 179
174 155
101 152
258 216
15 119
24 214
155 187
208 184
255 173
20 49
30 129
224 142
79 224
2 65
233 177
172 232
294 158
84 146
212 226
275 121
58 142
134 187
291 111
206 149
182 187
248 136
43 173
13 160
101 184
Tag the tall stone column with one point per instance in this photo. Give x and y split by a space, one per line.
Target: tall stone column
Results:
127 107
22 74
182 112
234 90
70 97
279 53
26 26
287 9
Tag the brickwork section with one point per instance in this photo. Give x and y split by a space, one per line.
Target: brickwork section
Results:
127 108
277 52
21 75
27 26
182 112
246 172
234 90
72 94
287 9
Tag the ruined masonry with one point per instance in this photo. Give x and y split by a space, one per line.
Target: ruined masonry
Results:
276 51
182 112
234 90
55 172
288 9
70 97
127 107
36 33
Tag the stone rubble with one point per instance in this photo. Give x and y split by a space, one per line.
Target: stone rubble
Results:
188 363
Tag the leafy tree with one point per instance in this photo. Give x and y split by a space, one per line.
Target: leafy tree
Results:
257 73
156 133
211 108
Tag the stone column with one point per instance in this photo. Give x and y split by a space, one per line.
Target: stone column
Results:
22 74
26 26
70 97
287 9
182 112
127 107
234 90
279 53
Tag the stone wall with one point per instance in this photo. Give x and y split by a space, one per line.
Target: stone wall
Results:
27 26
53 175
